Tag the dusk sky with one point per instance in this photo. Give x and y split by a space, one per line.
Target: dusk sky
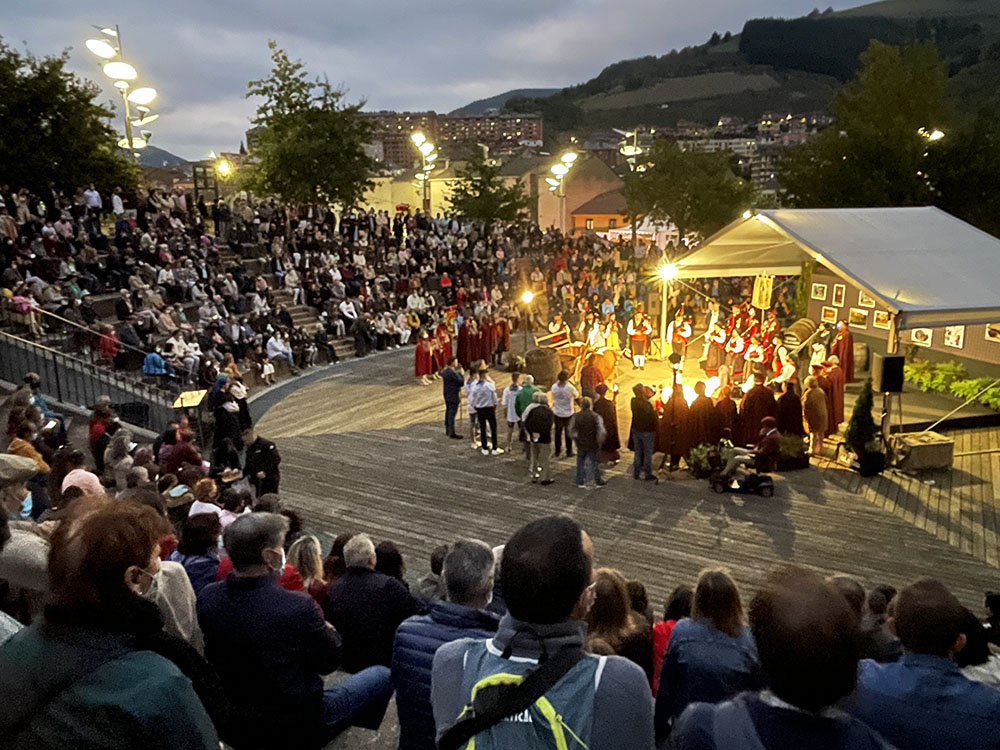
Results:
439 54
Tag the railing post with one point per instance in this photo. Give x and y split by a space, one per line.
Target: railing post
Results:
55 371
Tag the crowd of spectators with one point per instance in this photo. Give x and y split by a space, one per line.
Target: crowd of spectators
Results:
171 629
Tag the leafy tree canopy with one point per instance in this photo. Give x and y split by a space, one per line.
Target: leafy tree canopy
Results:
697 191
878 152
312 144
482 194
52 130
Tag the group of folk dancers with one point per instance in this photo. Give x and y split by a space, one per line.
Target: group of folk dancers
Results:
486 339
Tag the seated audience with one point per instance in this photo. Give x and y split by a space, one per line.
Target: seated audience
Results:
613 627
711 655
924 701
366 607
678 607
198 549
305 556
271 648
468 580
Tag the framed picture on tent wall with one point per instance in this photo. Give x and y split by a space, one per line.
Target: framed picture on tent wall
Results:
819 291
857 318
993 332
839 291
829 314
880 319
865 299
954 336
922 336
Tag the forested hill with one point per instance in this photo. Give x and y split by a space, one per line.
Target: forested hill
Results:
779 64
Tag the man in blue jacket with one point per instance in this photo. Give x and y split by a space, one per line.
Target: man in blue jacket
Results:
271 647
452 383
924 701
468 576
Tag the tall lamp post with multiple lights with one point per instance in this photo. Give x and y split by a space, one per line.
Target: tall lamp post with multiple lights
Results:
428 155
632 151
557 183
124 75
667 273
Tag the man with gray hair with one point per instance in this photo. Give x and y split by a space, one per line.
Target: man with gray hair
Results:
271 647
366 607
468 574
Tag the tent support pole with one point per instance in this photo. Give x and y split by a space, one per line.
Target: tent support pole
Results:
892 346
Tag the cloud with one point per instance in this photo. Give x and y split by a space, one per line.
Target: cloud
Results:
439 54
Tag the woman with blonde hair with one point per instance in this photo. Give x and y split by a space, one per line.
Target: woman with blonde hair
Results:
711 655
306 557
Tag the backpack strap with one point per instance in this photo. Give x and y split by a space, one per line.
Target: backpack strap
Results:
512 699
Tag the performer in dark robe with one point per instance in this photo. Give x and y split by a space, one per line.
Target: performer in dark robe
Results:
790 420
819 372
501 338
606 410
757 403
487 338
842 347
673 434
726 415
424 362
464 353
835 374
701 417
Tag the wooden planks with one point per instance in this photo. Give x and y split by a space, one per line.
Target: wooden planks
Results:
365 450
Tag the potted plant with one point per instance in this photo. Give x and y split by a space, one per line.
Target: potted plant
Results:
792 453
862 435
700 460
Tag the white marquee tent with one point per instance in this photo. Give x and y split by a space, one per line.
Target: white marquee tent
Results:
928 267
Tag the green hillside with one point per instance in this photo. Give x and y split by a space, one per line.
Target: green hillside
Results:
778 64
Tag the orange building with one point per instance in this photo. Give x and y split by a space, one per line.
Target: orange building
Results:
601 213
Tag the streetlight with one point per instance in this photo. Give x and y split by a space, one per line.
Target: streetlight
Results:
930 135
667 273
122 73
526 298
557 182
428 155
224 168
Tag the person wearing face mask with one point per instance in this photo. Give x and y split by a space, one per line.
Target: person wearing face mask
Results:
98 670
271 648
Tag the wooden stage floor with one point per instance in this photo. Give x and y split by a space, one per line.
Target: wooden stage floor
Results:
363 449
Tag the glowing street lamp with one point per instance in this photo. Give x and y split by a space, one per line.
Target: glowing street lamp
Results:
224 168
428 155
559 169
120 71
569 157
418 139
667 273
527 297
142 96
101 48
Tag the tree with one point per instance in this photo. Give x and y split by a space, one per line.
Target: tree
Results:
861 428
52 130
874 153
696 191
482 194
311 146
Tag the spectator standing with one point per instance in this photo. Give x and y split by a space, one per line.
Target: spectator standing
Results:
547 571
642 435
587 429
271 648
262 462
538 420
452 384
924 701
366 607
483 398
563 396
509 403
468 574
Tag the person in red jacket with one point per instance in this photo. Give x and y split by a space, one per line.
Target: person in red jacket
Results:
678 607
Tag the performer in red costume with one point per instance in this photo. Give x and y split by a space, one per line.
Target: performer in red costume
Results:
424 359
842 347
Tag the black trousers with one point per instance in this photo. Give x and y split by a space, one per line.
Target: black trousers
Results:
562 425
487 415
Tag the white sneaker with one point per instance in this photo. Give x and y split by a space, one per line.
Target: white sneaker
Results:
498 452
486 451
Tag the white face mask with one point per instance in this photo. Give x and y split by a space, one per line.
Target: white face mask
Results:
280 568
154 585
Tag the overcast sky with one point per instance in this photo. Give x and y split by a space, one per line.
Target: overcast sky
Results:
436 54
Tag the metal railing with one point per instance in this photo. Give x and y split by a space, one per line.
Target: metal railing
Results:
74 381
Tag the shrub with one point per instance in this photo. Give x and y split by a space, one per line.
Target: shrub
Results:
946 373
919 372
792 446
861 429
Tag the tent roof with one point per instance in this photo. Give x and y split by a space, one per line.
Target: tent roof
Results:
925 265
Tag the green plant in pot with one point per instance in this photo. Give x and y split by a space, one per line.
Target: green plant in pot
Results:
862 434
792 453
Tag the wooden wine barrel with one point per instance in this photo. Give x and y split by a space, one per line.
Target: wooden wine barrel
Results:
543 365
606 362
860 356
799 331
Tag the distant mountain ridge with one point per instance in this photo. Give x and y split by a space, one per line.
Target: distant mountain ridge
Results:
151 156
480 106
